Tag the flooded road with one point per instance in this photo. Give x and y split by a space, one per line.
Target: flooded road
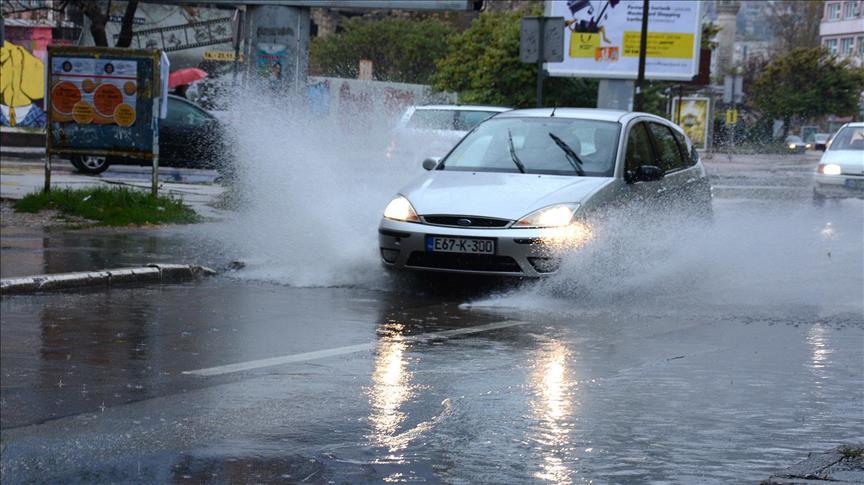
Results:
722 359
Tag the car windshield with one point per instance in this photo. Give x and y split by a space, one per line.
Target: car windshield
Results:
821 137
849 138
558 146
793 139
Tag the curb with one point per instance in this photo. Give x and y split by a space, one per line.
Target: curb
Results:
149 274
24 153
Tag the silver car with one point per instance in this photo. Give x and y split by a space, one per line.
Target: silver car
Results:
841 170
521 187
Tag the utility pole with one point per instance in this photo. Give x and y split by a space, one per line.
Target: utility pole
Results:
639 98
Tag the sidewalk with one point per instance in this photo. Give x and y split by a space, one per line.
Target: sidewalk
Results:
20 176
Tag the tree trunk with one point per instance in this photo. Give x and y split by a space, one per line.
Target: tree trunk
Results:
786 122
125 38
98 19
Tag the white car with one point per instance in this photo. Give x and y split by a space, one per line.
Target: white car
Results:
434 129
522 186
841 170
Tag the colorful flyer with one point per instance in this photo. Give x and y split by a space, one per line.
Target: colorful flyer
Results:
99 91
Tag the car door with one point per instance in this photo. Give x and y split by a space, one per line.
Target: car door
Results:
184 135
639 151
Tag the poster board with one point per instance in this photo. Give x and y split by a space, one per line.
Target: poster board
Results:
693 117
102 101
602 38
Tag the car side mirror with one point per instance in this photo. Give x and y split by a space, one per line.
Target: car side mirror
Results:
431 162
645 173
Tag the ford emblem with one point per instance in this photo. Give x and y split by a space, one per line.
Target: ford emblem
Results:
463 222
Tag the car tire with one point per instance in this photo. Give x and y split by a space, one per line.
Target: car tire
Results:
90 164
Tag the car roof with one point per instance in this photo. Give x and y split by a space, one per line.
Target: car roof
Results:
462 107
578 113
857 124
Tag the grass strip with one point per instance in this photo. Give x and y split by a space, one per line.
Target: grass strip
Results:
111 206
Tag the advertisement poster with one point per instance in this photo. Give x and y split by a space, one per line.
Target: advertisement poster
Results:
100 101
602 38
693 117
270 59
90 90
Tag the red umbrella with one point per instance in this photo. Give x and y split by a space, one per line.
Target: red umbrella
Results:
185 76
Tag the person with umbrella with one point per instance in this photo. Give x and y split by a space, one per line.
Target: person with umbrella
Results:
180 79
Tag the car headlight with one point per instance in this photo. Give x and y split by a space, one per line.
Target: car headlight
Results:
399 209
830 169
791 146
808 145
558 215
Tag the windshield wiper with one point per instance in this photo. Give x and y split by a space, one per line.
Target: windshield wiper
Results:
572 157
513 155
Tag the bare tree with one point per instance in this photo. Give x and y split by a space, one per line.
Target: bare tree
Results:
795 23
99 13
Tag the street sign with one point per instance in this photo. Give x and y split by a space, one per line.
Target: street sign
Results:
733 85
731 116
546 33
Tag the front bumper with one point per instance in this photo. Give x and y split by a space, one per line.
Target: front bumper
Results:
839 186
519 252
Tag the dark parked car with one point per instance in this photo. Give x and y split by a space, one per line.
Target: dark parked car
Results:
188 137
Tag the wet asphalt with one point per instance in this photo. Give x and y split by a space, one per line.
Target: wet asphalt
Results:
699 370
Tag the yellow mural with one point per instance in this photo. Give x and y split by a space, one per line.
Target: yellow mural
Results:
22 82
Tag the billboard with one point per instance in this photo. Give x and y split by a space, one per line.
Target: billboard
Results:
100 101
693 115
602 38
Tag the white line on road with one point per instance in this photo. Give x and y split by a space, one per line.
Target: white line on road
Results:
760 187
350 349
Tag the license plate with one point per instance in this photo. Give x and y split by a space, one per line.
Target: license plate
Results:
443 244
854 183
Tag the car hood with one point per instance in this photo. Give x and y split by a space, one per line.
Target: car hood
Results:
851 161
499 195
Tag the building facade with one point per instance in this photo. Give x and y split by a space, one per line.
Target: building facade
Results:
842 29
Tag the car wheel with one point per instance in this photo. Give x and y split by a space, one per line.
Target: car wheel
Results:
91 164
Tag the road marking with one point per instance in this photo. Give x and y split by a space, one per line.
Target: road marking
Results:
350 349
760 187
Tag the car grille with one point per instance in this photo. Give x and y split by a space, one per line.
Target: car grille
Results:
465 262
453 221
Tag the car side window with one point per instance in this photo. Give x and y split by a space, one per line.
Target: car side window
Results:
466 120
689 157
668 154
638 148
184 114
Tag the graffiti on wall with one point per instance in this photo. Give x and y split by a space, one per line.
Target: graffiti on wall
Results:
22 87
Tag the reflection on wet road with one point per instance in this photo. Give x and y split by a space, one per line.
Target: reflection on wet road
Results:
733 356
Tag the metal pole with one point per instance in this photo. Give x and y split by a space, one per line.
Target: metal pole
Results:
540 56
157 79
240 30
47 187
639 99
678 113
734 107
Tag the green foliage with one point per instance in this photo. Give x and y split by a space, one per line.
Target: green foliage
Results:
401 50
805 84
110 207
484 68
709 32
